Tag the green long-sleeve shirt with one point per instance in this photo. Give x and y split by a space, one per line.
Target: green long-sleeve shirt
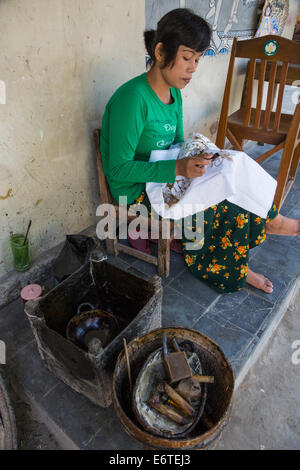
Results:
135 122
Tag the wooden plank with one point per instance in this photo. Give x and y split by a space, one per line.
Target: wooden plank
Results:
283 75
105 195
292 141
220 140
271 88
112 246
233 140
249 90
137 254
163 259
277 199
259 135
288 50
270 152
260 93
295 162
292 76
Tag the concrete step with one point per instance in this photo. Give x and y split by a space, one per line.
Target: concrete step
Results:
77 423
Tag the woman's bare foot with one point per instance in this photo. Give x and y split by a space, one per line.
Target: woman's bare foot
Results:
259 281
282 225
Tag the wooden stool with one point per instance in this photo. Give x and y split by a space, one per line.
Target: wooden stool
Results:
162 260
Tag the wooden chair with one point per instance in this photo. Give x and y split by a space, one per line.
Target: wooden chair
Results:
162 260
265 126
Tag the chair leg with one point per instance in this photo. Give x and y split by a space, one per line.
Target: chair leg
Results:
295 162
235 141
283 174
163 258
111 246
240 141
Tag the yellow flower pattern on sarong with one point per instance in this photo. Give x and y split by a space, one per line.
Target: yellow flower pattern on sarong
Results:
229 234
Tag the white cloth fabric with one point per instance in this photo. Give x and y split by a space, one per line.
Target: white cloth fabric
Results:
241 181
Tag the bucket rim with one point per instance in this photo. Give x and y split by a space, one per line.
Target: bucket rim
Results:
164 442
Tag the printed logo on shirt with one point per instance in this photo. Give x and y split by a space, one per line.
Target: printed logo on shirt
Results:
160 121
170 128
164 143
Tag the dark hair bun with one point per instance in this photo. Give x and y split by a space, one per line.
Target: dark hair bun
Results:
149 37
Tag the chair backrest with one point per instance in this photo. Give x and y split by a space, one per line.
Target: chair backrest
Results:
105 194
269 59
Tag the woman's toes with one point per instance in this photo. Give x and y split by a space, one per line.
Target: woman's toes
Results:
268 286
259 281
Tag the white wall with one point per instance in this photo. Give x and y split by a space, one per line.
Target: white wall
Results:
60 61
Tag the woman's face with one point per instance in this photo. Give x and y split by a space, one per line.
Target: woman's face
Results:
180 73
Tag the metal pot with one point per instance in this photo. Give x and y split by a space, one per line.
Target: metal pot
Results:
94 323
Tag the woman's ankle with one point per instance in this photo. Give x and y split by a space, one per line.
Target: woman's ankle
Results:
282 225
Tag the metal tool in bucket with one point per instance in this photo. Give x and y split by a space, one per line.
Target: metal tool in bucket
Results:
94 323
154 397
219 398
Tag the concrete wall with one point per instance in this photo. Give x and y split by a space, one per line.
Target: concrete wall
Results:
61 61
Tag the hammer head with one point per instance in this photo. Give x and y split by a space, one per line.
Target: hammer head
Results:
176 363
177 367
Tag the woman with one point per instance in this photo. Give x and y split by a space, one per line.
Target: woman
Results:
145 114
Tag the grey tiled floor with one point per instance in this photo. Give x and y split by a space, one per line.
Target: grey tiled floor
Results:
236 322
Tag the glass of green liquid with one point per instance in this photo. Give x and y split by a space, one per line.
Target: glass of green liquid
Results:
20 252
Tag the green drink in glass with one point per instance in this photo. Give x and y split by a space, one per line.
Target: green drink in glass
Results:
20 252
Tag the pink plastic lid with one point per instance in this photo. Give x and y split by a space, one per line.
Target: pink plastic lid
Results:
31 292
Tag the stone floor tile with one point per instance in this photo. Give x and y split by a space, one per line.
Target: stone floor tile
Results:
75 415
231 339
249 315
280 256
281 281
178 310
194 289
240 360
177 266
29 370
15 329
111 436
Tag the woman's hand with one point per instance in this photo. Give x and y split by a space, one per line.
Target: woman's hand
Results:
193 166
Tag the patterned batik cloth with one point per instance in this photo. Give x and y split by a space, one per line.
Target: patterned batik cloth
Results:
229 233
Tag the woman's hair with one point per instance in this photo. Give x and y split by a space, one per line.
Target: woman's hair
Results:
178 27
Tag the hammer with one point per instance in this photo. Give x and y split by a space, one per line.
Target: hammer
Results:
155 402
176 363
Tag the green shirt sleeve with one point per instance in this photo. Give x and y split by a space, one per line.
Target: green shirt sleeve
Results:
179 137
127 117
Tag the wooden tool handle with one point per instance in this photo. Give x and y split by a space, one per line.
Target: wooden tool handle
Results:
169 412
128 364
181 403
207 379
175 345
